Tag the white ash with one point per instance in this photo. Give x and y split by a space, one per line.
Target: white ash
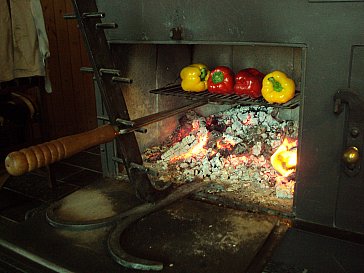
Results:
284 188
255 134
181 148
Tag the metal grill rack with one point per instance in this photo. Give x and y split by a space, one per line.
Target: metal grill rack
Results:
176 90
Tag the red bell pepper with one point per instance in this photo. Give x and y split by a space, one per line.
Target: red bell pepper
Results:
221 80
249 82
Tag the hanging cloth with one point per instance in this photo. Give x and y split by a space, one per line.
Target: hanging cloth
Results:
24 45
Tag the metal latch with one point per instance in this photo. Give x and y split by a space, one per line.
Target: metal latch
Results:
354 129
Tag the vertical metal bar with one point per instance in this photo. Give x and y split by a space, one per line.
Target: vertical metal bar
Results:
101 57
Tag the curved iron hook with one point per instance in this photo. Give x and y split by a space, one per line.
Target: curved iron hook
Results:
113 242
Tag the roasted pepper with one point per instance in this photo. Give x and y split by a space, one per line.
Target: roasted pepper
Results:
277 87
221 80
249 82
194 77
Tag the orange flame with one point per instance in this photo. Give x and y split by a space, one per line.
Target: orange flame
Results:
195 150
284 159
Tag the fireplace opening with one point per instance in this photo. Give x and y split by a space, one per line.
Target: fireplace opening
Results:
243 146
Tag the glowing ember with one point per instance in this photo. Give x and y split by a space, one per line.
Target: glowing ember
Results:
197 149
284 160
235 161
247 121
225 144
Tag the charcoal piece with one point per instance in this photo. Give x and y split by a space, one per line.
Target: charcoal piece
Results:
214 123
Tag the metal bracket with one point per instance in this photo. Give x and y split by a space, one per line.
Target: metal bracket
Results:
176 33
122 80
143 169
102 62
354 129
106 25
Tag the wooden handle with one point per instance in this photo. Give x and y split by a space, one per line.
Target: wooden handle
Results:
31 158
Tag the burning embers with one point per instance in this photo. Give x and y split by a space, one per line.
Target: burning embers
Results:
240 147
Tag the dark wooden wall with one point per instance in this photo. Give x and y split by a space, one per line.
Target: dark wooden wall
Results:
70 108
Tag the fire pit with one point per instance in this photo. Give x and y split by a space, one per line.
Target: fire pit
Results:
240 150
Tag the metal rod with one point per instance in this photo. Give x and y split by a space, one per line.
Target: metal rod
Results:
93 14
108 71
117 159
103 118
69 16
141 122
87 69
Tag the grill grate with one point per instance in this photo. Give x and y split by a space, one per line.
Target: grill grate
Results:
176 90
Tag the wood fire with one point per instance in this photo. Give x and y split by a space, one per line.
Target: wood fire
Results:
232 149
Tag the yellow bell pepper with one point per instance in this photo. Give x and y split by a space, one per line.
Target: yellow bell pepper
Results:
277 87
194 77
